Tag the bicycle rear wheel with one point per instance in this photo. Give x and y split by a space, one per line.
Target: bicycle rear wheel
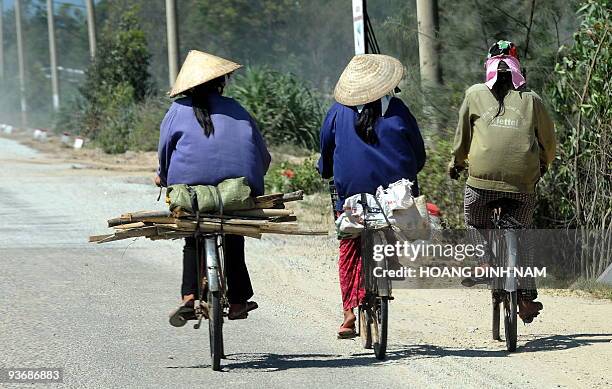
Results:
510 317
379 326
496 315
215 328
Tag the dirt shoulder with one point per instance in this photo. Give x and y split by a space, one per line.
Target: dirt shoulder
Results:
87 157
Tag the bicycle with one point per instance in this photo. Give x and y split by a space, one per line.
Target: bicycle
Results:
373 313
504 247
212 284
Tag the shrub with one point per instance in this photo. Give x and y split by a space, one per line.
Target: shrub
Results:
287 110
288 177
117 120
147 117
435 184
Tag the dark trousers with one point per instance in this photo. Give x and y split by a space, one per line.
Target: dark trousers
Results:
239 289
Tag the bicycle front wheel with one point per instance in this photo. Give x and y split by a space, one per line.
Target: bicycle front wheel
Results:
510 318
365 328
379 327
215 328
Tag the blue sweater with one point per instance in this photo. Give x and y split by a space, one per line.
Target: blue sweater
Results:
235 149
358 167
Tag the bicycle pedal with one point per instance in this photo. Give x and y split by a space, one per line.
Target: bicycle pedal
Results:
201 310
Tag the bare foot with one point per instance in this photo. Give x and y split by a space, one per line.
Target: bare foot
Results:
349 319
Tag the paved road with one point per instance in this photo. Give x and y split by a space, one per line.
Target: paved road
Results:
100 311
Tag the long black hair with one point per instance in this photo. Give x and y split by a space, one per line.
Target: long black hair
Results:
366 120
199 102
503 84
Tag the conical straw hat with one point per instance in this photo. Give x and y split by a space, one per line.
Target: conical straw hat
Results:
199 68
367 78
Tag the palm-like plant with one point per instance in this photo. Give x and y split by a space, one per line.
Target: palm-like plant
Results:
287 109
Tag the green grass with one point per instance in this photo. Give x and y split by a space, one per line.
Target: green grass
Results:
596 289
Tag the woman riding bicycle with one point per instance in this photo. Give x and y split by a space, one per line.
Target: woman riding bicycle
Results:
369 138
508 137
206 138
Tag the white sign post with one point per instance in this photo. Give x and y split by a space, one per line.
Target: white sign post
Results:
78 143
359 27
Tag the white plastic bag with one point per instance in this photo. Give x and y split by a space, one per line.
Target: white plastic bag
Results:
350 222
413 222
397 196
347 228
406 213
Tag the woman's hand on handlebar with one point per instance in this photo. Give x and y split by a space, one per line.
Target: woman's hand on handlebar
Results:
157 181
454 171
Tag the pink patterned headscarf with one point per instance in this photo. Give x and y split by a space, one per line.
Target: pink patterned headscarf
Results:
514 65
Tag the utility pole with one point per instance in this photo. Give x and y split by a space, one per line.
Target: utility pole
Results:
427 16
359 27
91 28
431 75
21 60
172 36
1 40
53 55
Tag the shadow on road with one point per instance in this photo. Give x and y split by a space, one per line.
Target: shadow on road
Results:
564 342
277 362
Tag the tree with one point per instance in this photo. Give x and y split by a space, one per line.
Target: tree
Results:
115 82
123 58
578 192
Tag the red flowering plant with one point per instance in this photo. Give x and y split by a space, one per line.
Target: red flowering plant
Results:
289 173
288 177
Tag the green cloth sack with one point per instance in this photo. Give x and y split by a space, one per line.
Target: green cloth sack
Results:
179 196
235 195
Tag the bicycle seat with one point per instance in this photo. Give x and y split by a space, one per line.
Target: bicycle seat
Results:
504 203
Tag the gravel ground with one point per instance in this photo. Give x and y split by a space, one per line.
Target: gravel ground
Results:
100 311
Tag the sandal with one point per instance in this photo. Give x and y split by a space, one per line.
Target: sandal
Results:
347 332
184 312
527 314
243 312
347 329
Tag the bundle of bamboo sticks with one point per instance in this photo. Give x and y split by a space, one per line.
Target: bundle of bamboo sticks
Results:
268 216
